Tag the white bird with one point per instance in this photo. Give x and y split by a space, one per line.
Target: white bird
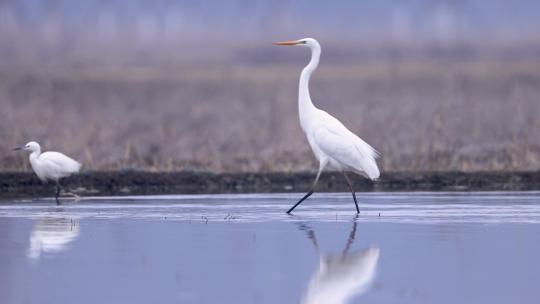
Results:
332 143
50 166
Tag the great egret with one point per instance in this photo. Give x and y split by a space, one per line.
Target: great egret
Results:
50 165
332 143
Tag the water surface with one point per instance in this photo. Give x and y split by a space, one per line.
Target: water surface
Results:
402 248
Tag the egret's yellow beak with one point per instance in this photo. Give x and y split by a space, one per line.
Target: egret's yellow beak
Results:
290 42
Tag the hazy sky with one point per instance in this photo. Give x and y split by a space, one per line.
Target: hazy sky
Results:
391 19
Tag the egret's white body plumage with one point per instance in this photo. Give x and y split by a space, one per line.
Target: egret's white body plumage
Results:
51 165
338 148
334 145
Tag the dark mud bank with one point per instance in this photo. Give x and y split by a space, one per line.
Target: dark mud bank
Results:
19 184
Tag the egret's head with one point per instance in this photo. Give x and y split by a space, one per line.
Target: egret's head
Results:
31 146
306 42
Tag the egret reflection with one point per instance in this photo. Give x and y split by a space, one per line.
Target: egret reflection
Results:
52 235
340 277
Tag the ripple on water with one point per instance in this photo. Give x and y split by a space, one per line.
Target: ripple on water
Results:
500 207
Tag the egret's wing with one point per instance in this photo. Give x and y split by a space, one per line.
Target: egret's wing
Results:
335 140
59 164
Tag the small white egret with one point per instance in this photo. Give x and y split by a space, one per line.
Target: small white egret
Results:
50 166
332 143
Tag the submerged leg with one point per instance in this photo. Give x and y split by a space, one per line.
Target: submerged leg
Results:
321 167
352 191
58 189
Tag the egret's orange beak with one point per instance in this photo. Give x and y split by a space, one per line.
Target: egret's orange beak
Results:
290 42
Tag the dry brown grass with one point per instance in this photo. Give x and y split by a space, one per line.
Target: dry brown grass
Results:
421 114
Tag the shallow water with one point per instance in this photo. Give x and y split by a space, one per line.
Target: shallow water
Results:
402 248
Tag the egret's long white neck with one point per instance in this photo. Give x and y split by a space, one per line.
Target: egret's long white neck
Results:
35 154
305 105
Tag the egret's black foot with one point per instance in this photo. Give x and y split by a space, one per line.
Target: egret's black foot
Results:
57 195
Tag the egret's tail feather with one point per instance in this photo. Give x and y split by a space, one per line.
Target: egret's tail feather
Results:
78 167
375 173
372 170
368 163
376 153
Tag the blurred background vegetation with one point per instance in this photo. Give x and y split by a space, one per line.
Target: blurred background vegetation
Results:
197 85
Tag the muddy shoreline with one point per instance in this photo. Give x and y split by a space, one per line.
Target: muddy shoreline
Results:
26 184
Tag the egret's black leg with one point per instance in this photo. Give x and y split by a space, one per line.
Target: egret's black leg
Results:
301 200
352 191
58 189
307 194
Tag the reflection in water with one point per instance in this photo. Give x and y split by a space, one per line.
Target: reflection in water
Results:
340 277
52 235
